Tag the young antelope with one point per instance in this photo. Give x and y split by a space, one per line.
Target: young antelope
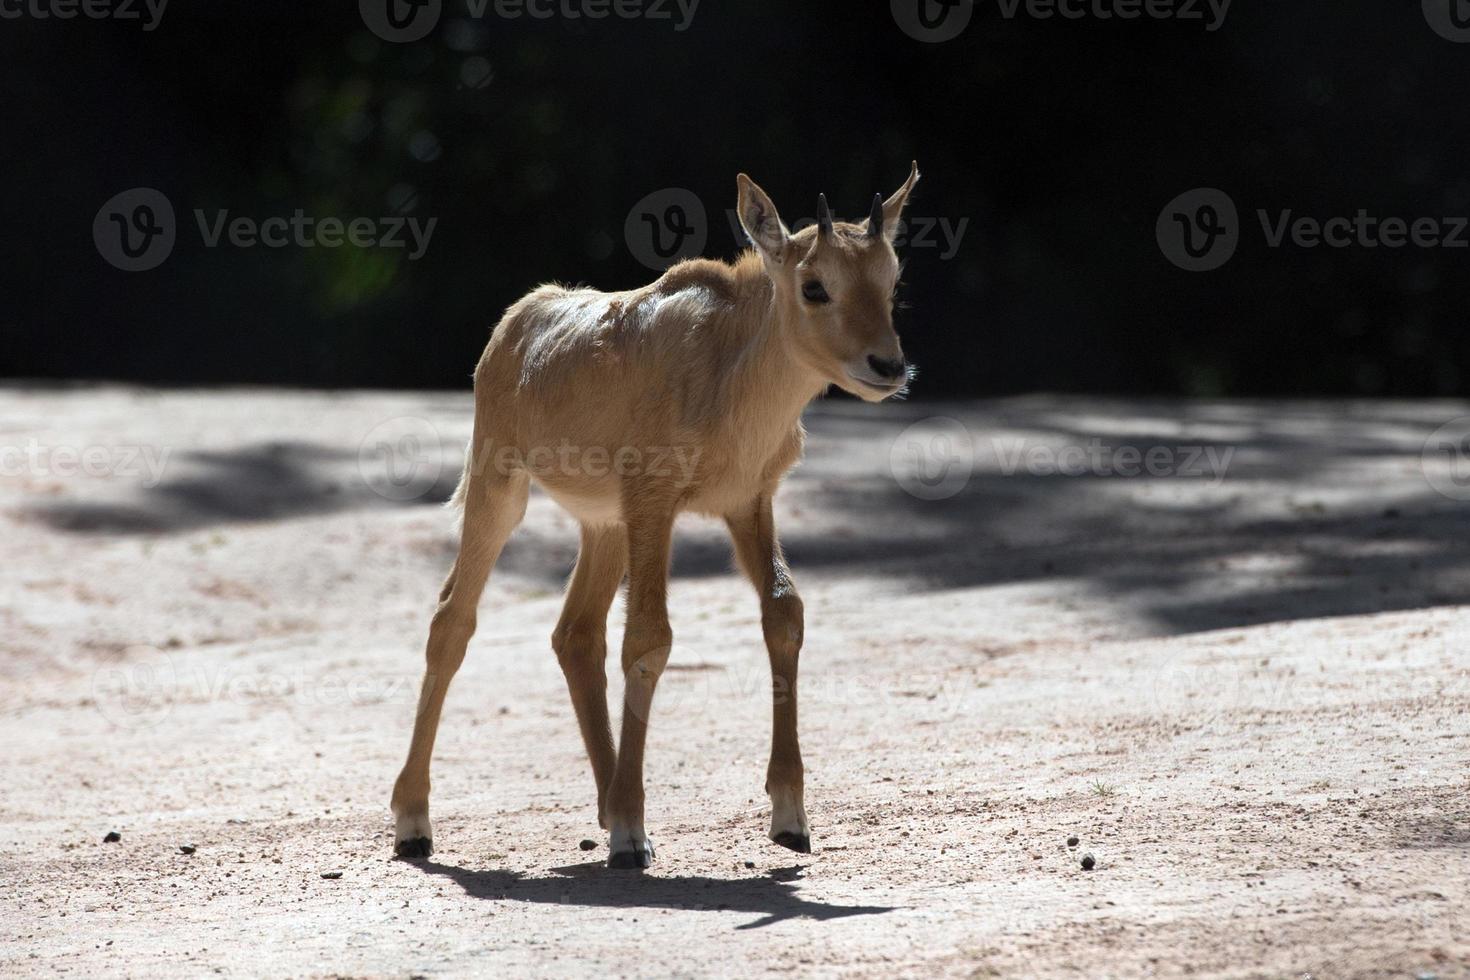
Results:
628 408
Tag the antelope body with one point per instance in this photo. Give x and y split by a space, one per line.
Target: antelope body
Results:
628 408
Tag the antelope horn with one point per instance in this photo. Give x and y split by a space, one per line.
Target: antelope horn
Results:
824 217
875 217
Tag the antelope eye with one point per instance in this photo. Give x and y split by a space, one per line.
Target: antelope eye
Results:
814 292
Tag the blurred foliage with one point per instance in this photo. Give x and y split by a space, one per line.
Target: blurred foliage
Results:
528 141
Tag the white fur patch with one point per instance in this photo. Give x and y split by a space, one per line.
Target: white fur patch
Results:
412 826
624 837
788 812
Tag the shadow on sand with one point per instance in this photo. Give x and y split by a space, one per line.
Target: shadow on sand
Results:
1323 509
772 896
259 482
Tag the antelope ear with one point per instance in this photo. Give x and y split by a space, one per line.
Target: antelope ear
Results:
893 207
761 222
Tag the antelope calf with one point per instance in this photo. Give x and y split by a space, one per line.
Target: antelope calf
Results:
582 391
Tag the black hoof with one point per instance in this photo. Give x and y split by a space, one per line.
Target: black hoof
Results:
417 847
637 859
801 843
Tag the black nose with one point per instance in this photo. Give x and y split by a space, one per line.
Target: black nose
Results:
887 370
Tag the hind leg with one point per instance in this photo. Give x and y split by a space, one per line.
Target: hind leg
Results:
494 505
580 642
646 644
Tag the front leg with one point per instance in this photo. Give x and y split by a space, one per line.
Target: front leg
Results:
647 640
754 534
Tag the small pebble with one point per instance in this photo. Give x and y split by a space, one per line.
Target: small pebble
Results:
187 848
1072 842
588 845
331 875
112 837
1088 862
750 864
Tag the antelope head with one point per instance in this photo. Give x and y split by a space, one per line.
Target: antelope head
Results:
834 287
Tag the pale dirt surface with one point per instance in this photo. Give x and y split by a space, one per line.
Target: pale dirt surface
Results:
1247 696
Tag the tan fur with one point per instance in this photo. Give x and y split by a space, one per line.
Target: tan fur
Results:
629 408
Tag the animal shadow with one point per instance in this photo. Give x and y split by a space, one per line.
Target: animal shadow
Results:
772 896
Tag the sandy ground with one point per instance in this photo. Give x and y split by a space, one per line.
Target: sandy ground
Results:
1242 685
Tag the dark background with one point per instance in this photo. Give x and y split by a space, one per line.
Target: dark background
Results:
1059 141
